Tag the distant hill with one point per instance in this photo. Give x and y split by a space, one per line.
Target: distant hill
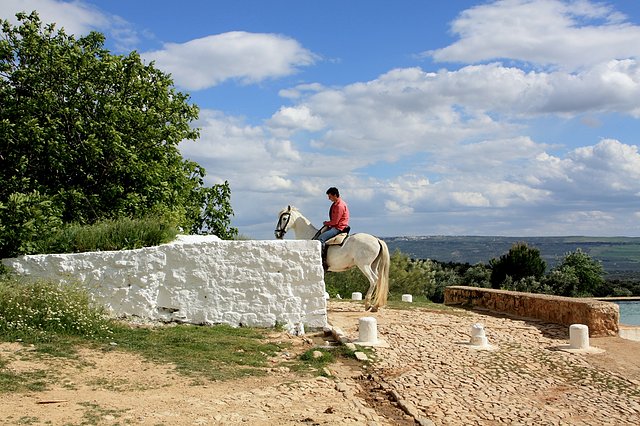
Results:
620 256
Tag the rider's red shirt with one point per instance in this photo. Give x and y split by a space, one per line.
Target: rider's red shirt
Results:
338 215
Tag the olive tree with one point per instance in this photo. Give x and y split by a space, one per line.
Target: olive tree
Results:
93 135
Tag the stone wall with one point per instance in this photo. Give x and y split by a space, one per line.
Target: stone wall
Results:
198 279
601 317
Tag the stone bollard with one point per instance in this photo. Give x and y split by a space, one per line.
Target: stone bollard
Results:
407 298
478 337
356 296
578 336
368 330
326 295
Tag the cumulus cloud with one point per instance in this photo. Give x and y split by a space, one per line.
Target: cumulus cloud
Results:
254 159
608 171
248 57
295 118
406 111
76 17
565 34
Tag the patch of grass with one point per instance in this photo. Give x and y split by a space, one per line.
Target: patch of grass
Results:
316 359
215 353
109 384
34 381
95 414
28 420
395 302
308 362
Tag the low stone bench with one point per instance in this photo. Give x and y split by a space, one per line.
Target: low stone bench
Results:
601 317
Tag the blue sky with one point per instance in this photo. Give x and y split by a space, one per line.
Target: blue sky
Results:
512 117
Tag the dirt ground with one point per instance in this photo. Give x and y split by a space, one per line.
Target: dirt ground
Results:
620 356
118 388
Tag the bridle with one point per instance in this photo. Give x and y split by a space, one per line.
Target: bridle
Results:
283 223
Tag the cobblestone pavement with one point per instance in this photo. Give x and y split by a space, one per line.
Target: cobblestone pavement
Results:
438 378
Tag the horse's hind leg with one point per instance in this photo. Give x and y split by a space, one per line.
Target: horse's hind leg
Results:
373 278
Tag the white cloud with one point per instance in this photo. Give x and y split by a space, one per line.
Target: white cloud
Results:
394 207
296 118
253 159
298 91
76 17
248 57
469 199
608 171
407 111
567 34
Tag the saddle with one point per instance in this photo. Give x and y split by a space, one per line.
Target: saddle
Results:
339 239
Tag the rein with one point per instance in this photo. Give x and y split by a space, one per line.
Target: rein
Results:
281 228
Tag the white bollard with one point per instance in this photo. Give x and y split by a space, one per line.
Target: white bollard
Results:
478 337
356 296
326 295
407 298
368 330
578 336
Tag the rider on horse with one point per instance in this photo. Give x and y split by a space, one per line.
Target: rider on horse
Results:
338 218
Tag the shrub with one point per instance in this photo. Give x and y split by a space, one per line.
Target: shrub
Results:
345 283
527 285
120 234
444 277
37 311
478 275
410 276
405 276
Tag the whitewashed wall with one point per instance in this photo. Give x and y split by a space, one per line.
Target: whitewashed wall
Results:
198 279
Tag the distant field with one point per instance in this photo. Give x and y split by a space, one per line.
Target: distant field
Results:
620 256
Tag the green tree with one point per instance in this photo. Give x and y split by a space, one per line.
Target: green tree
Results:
410 276
520 262
97 134
478 275
577 275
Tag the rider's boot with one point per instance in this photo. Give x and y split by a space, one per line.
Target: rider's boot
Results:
325 266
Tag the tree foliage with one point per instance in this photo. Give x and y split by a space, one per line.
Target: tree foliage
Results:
577 275
520 262
87 135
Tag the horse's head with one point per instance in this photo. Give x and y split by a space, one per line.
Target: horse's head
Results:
283 222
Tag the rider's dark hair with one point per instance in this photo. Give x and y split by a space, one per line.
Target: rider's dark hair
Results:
333 191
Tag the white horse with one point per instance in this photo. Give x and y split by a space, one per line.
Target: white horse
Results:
370 254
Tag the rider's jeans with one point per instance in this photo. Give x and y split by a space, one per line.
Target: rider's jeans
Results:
326 235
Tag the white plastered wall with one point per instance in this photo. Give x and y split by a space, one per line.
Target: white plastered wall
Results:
199 280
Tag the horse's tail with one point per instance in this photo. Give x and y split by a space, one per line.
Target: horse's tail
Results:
382 271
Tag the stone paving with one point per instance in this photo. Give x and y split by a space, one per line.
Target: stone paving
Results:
438 378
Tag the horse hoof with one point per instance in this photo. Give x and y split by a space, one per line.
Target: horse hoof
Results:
374 309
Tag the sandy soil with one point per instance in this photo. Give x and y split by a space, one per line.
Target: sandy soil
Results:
109 388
